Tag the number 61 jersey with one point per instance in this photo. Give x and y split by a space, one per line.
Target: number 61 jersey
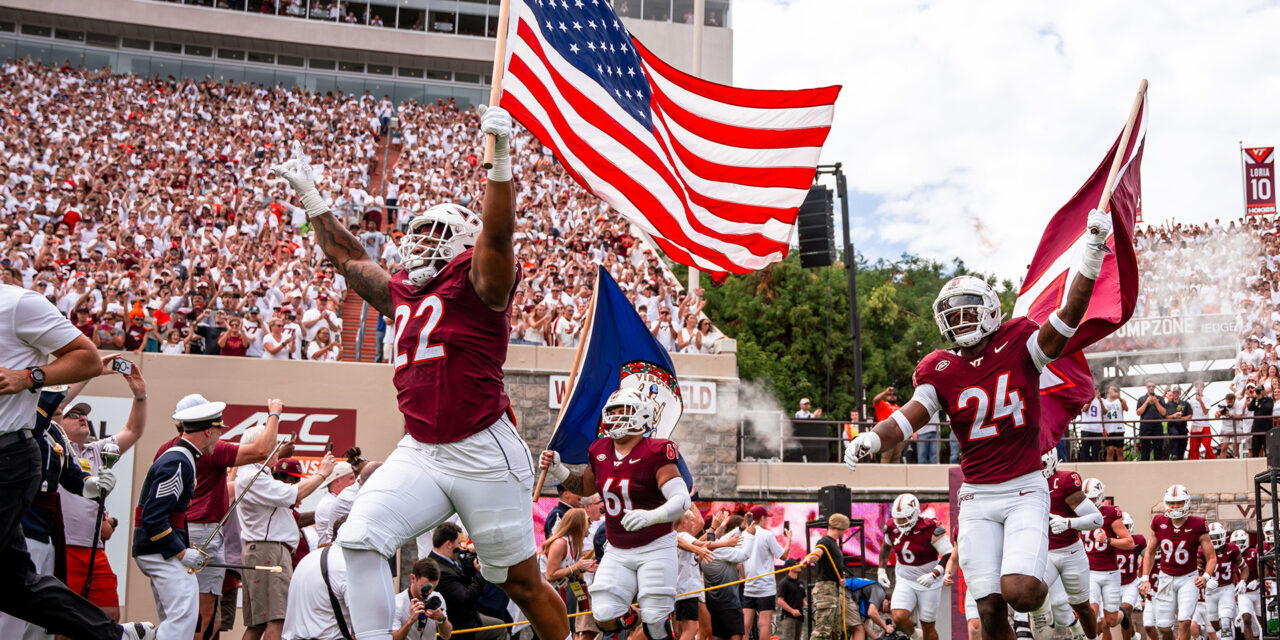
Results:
993 401
631 482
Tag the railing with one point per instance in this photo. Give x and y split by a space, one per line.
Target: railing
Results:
797 440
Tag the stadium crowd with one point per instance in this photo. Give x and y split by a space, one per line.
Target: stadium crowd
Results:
145 210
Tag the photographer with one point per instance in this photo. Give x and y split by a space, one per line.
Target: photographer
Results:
460 581
420 609
1260 404
1151 411
1231 409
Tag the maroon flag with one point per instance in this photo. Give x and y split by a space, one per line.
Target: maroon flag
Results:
1259 181
1066 385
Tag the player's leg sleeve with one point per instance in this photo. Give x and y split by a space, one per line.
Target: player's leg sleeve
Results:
928 600
371 607
498 515
981 541
656 584
1026 529
613 587
399 502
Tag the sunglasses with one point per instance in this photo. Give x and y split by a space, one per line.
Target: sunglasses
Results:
73 415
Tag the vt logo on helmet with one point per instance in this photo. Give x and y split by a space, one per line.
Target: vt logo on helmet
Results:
967 310
435 237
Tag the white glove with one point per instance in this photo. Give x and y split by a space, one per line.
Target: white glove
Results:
1097 228
636 519
863 445
882 577
100 485
194 559
297 172
557 470
1058 524
927 579
1211 584
1240 588
496 121
1252 586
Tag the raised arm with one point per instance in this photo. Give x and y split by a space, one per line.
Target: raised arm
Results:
1062 324
348 256
493 263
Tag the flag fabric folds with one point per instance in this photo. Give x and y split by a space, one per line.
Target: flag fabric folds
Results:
1066 385
713 174
616 349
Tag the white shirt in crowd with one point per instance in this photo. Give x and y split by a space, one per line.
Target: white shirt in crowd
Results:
403 607
269 342
1091 419
266 510
309 615
688 574
324 516
765 550
30 330
1113 413
1199 414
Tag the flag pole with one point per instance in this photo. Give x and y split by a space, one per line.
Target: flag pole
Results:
584 333
1105 201
1244 180
499 66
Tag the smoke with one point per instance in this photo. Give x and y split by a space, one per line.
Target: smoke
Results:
763 420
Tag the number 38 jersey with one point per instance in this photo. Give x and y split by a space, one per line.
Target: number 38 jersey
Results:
993 401
1178 545
448 352
631 482
913 551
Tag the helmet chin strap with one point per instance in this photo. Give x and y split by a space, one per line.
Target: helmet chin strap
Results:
423 275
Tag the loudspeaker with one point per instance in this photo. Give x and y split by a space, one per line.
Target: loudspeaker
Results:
1273 448
815 226
833 499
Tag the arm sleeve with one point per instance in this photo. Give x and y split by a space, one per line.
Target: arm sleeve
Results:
927 396
943 545
1038 355
1087 517
677 503
39 325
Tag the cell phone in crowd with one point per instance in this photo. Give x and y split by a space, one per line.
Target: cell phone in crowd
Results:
786 525
122 366
328 448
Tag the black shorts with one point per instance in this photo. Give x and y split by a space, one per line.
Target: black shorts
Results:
767 603
726 623
687 609
1116 441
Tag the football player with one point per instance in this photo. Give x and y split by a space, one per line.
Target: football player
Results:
921 550
1248 602
1220 592
643 495
1101 545
452 309
1069 513
1178 534
1130 600
990 386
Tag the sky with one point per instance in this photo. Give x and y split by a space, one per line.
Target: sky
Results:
963 126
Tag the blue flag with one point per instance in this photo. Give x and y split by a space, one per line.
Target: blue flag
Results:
616 349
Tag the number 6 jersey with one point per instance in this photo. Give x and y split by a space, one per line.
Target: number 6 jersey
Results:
993 401
631 482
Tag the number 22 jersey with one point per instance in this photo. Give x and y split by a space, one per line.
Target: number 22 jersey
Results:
993 401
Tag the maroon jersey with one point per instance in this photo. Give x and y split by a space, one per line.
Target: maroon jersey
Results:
631 482
1250 556
1228 571
448 352
1178 544
1130 562
1061 485
993 401
915 547
1102 556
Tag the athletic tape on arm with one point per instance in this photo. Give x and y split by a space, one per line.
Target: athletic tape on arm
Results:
1088 517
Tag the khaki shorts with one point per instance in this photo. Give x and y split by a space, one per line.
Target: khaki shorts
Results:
266 595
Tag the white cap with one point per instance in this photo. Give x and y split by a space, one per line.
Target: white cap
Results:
340 469
195 407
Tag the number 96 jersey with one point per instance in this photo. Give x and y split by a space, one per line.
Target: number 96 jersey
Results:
631 482
1178 545
993 401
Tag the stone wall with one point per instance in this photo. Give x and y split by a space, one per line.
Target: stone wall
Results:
1233 510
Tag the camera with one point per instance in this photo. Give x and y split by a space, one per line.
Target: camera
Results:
464 557
431 599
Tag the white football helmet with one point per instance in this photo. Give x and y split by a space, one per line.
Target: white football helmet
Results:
906 511
628 413
1240 538
1217 535
967 310
1095 491
1177 494
435 237
1269 533
1128 521
1049 463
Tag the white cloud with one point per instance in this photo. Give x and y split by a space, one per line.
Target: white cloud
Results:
966 117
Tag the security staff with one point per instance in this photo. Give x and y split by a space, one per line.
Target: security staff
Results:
160 543
32 330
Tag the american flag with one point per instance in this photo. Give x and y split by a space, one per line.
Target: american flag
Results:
714 174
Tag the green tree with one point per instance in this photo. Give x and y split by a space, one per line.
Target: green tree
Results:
792 326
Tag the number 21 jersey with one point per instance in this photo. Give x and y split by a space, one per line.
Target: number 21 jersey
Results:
993 401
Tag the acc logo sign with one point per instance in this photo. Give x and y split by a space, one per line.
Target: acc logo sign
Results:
315 428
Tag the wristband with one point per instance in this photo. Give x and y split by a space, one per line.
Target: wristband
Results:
314 204
1061 326
273 415
141 399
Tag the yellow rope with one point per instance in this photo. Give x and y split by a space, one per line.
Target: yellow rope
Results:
678 596
844 624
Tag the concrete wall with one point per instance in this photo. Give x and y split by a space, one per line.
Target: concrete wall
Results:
367 389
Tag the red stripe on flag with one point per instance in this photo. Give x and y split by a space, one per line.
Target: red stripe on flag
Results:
586 108
755 98
733 136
